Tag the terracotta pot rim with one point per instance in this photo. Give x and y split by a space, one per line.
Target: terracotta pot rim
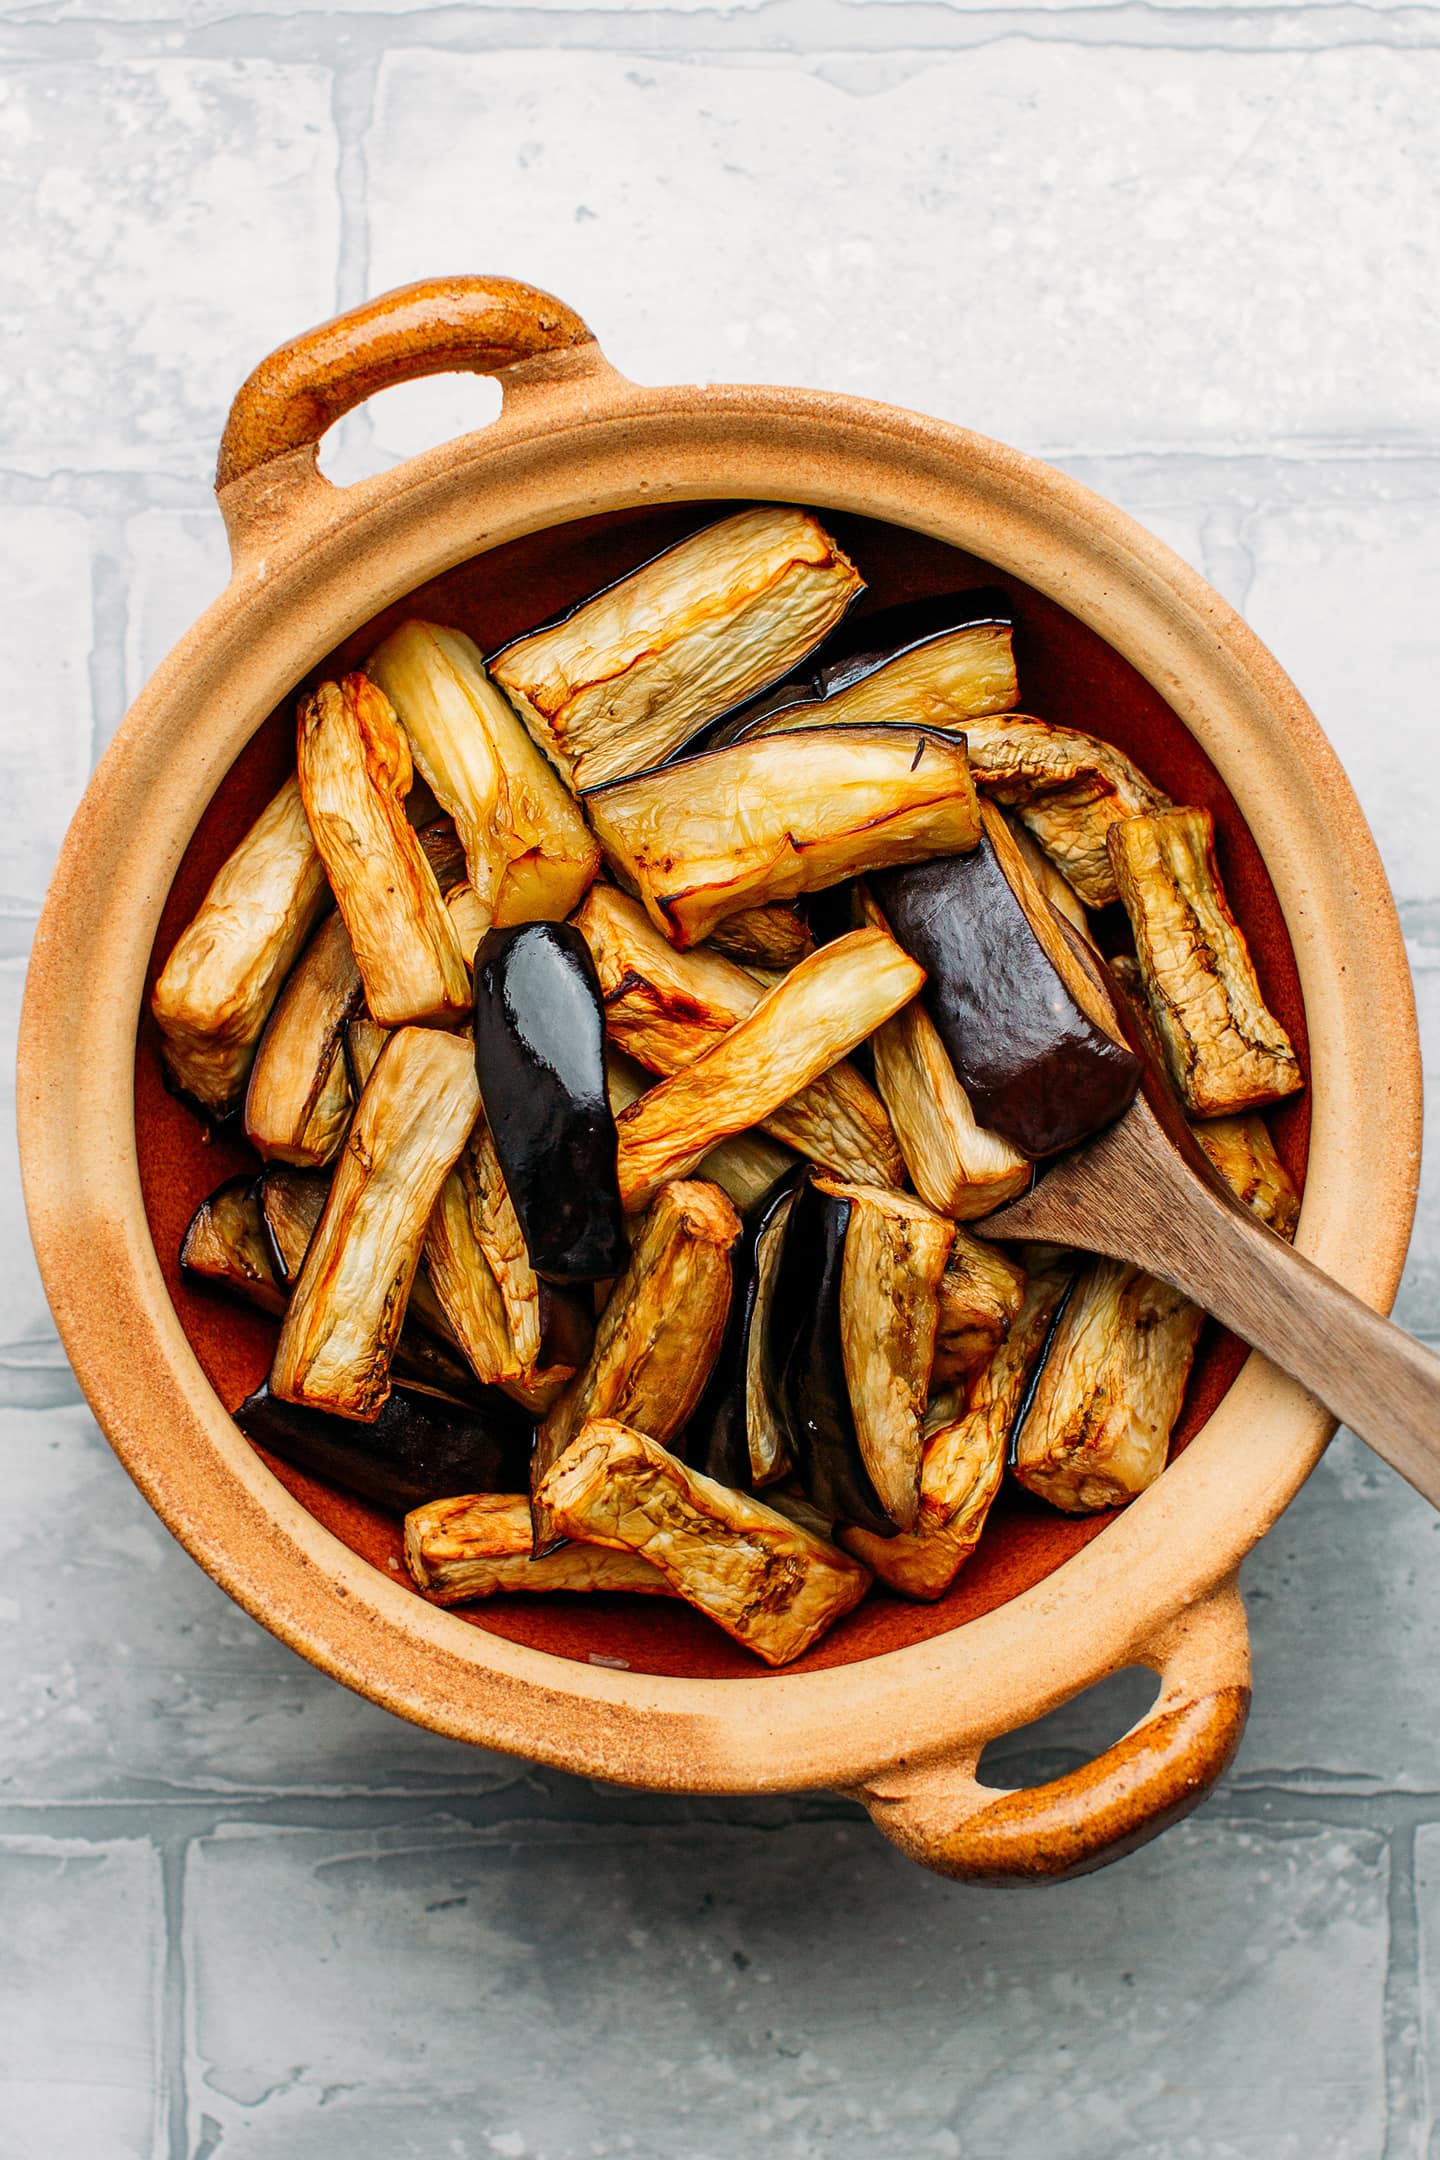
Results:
313 563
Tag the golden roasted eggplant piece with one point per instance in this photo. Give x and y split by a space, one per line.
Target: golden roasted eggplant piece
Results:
1029 1034
771 1584
480 1543
226 1245
665 1007
355 773
1069 789
1053 884
965 1455
469 1294
418 1449
627 677
1225 1049
779 815
528 850
298 1103
1244 1154
215 992
765 937
661 1329
736 1433
982 1292
744 1168
348 1305
953 1162
806 1024
1098 1427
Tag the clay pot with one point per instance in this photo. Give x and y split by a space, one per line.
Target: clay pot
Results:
896 1706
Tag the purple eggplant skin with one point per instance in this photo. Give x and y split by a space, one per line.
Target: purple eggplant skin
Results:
540 1061
717 1438
418 1449
567 1323
804 1363
1037 1069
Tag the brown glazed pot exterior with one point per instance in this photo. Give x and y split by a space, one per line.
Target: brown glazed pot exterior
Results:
902 1731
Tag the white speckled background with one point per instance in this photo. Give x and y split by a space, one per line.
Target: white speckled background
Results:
1192 254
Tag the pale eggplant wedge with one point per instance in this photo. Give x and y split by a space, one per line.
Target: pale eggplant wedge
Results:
766 937
471 919
528 850
660 1332
225 1246
1069 788
780 815
627 677
469 1295
1023 1024
417 1450
806 1024
478 1544
896 1249
665 1007
1097 1430
216 990
953 1162
981 1295
1224 1048
772 1585
540 1057
348 1305
299 1100
938 663
363 1043
965 1453
355 772
1052 882
736 1433
1244 1154
744 1168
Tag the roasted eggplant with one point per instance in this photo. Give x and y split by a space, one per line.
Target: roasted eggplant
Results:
355 773
981 1295
1022 1023
1069 789
226 1245
528 851
779 815
1244 1154
744 1168
473 1546
1225 1049
766 937
216 990
299 1100
665 1007
771 1584
540 1056
737 1434
660 1331
806 1024
965 1453
347 1308
415 1451
954 1163
627 677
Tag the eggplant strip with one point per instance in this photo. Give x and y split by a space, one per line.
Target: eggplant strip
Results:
744 1168
964 1459
943 682
225 1245
776 816
417 1450
767 937
953 1162
473 1546
628 676
1069 789
355 773
665 1008
298 1103
528 851
772 1585
1225 1049
348 1305
806 1024
982 1293
660 1332
215 992
736 1433
1244 1154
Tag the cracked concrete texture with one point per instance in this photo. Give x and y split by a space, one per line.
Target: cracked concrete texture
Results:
1192 253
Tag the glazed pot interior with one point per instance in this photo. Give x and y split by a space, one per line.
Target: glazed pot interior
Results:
1067 675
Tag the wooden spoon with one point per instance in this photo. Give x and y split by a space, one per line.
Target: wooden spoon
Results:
1144 1191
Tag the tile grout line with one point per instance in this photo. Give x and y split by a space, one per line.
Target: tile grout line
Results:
1407 2112
175 2130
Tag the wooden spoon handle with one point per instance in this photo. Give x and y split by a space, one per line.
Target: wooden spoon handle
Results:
1379 1381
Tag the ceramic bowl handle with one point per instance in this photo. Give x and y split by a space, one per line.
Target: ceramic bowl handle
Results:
941 1815
475 325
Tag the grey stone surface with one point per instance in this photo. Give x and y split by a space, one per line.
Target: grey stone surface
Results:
1190 251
